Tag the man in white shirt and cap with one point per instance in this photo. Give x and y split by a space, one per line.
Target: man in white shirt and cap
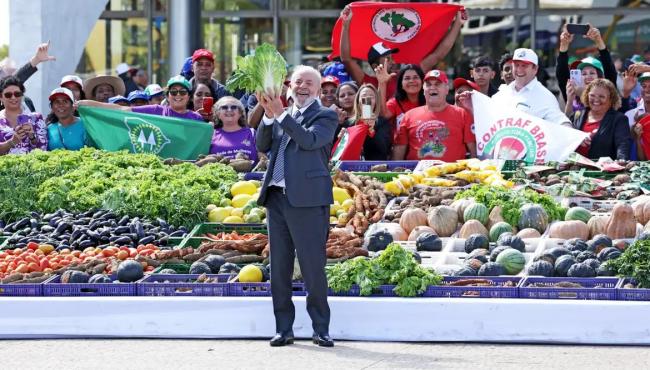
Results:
526 93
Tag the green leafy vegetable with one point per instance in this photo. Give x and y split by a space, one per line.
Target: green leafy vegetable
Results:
395 266
511 201
264 71
134 184
634 262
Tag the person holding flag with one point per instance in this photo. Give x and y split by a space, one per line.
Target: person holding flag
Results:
406 26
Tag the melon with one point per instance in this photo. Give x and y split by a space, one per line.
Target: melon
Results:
512 260
129 271
577 214
476 211
499 228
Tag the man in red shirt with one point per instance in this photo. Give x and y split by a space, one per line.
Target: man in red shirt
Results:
436 130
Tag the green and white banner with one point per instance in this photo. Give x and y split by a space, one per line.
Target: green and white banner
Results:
503 132
114 130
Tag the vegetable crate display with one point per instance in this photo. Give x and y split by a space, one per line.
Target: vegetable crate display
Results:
380 291
54 288
21 290
183 285
568 288
481 287
625 291
215 227
590 204
376 166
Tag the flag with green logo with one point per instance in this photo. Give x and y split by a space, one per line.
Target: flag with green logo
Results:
168 137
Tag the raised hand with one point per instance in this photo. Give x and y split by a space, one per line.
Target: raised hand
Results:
594 35
42 55
381 72
565 39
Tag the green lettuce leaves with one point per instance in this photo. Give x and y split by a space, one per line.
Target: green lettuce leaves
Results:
263 72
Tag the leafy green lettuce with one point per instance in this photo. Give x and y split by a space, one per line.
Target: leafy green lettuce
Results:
263 71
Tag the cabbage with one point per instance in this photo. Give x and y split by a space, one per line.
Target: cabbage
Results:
264 72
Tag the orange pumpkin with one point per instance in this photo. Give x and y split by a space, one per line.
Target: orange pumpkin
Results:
411 218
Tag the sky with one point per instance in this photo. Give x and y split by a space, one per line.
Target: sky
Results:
4 22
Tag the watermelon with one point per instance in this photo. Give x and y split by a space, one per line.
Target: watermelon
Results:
476 211
512 261
499 228
577 214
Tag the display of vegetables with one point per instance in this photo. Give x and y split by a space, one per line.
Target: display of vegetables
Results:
139 185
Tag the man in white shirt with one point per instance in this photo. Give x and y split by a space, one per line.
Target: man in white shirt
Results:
643 106
527 94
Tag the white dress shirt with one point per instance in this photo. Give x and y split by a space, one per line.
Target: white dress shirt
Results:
640 109
269 121
533 99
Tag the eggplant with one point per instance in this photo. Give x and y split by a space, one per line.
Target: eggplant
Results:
87 243
123 240
177 234
99 213
47 229
162 223
33 223
147 240
121 230
93 235
108 216
21 223
54 221
123 221
48 217
139 230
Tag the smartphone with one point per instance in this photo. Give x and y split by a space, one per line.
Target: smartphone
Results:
577 29
208 102
576 76
366 108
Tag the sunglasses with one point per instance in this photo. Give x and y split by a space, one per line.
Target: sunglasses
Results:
228 107
16 94
176 92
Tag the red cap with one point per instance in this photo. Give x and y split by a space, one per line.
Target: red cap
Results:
438 75
330 80
202 53
461 82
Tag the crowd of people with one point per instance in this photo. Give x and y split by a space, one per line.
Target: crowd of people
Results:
406 111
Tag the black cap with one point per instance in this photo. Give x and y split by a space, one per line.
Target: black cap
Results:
377 51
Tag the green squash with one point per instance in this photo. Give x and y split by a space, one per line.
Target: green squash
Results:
512 260
533 216
378 241
476 241
499 228
129 271
577 214
476 211
428 242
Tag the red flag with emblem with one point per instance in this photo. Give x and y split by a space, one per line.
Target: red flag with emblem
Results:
350 143
414 28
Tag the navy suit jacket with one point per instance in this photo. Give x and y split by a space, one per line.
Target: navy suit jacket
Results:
307 177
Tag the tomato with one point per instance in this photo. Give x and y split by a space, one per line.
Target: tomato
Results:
65 251
124 248
34 267
133 252
108 252
39 252
122 255
76 253
64 262
32 246
54 266
44 264
3 255
22 268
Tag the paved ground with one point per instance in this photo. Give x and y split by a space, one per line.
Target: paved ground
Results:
256 354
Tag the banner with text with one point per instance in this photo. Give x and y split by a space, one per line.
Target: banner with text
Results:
503 132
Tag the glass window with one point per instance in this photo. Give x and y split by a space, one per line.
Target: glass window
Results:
126 5
227 38
305 40
236 5
314 4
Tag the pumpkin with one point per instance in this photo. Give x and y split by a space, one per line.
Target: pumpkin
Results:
377 241
77 277
581 270
130 271
563 264
476 241
641 210
399 235
647 227
466 271
491 269
443 219
412 217
597 225
472 227
419 230
540 268
100 279
622 223
569 230
428 242
199 267
533 216
460 205
495 217
529 233
599 242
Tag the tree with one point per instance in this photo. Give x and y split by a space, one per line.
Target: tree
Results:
4 51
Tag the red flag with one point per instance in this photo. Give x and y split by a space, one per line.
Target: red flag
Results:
645 136
350 143
414 28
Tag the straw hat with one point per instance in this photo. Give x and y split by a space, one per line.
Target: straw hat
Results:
91 83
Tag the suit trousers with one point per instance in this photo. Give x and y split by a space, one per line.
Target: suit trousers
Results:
301 230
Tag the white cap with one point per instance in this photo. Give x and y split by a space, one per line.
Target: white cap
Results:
72 78
122 68
525 55
153 89
61 91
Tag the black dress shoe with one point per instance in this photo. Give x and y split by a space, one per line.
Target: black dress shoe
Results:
323 340
280 340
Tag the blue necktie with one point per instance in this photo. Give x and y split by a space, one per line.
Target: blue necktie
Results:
278 166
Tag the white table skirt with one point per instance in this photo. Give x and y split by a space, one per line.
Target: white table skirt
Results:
353 318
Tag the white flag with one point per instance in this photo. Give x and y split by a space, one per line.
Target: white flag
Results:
503 132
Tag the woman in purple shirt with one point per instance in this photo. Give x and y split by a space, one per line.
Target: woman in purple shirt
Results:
20 132
232 135
178 97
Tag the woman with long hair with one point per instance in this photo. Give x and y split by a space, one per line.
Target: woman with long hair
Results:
409 93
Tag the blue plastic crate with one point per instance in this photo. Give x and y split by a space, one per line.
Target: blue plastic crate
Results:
502 287
54 288
254 176
21 290
364 166
250 289
631 294
178 285
381 291
593 288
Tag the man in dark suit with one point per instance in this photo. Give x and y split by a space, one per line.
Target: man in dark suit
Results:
297 192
